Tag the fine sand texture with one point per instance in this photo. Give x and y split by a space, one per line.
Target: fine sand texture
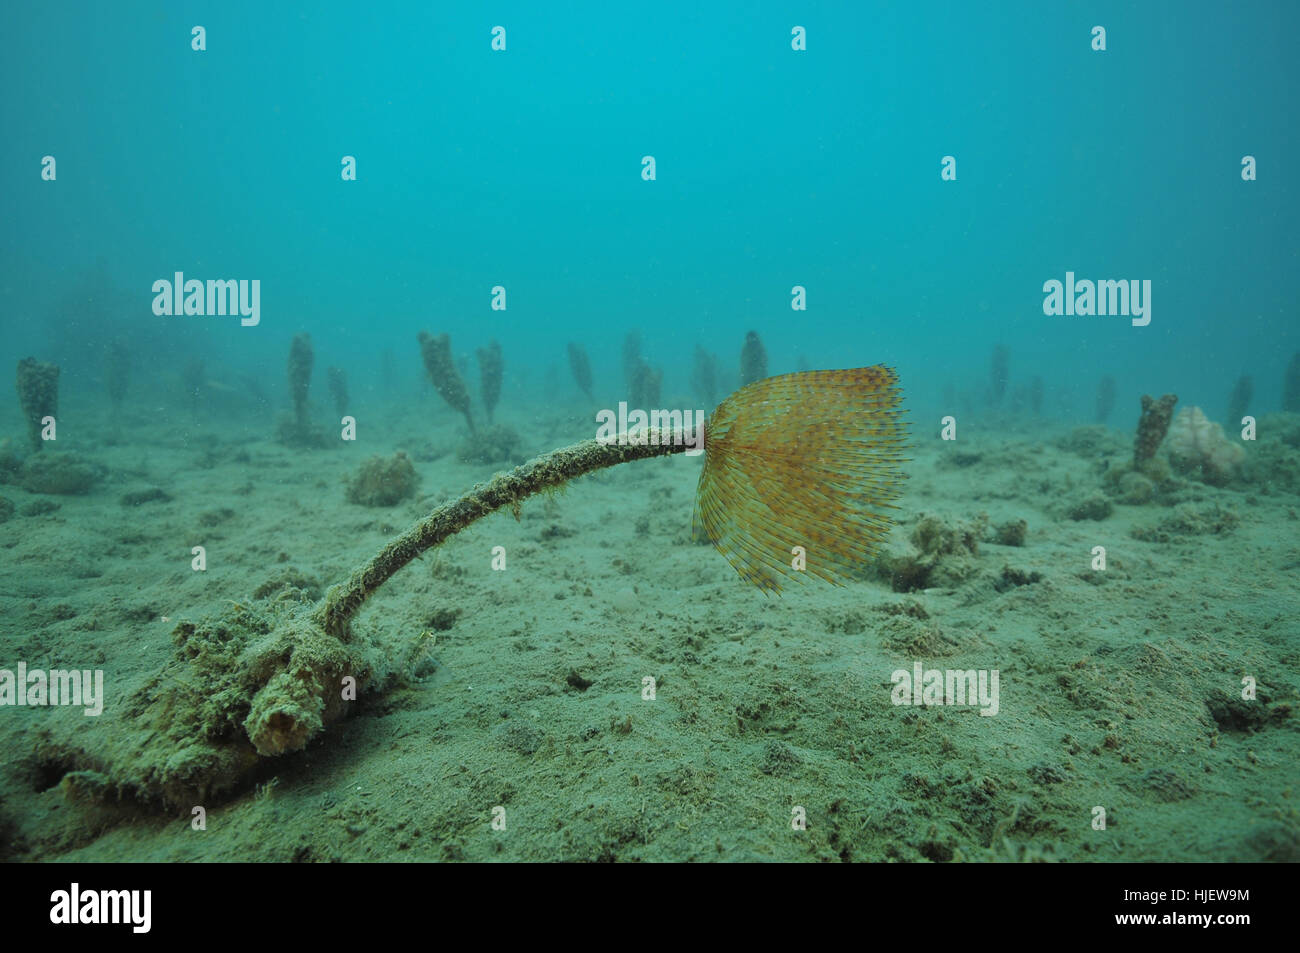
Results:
617 693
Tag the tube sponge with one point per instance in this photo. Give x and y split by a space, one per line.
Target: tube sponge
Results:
704 376
645 386
338 381
38 394
1105 398
1152 427
631 358
1291 386
490 366
301 358
297 431
436 352
999 373
193 379
117 370
1239 400
581 368
753 360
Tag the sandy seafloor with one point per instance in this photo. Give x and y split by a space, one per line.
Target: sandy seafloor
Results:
1117 689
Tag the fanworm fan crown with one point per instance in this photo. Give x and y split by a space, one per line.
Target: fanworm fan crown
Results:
805 460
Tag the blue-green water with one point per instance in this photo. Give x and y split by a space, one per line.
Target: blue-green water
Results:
858 184
775 168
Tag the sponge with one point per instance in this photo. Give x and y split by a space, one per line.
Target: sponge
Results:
436 352
38 395
490 366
